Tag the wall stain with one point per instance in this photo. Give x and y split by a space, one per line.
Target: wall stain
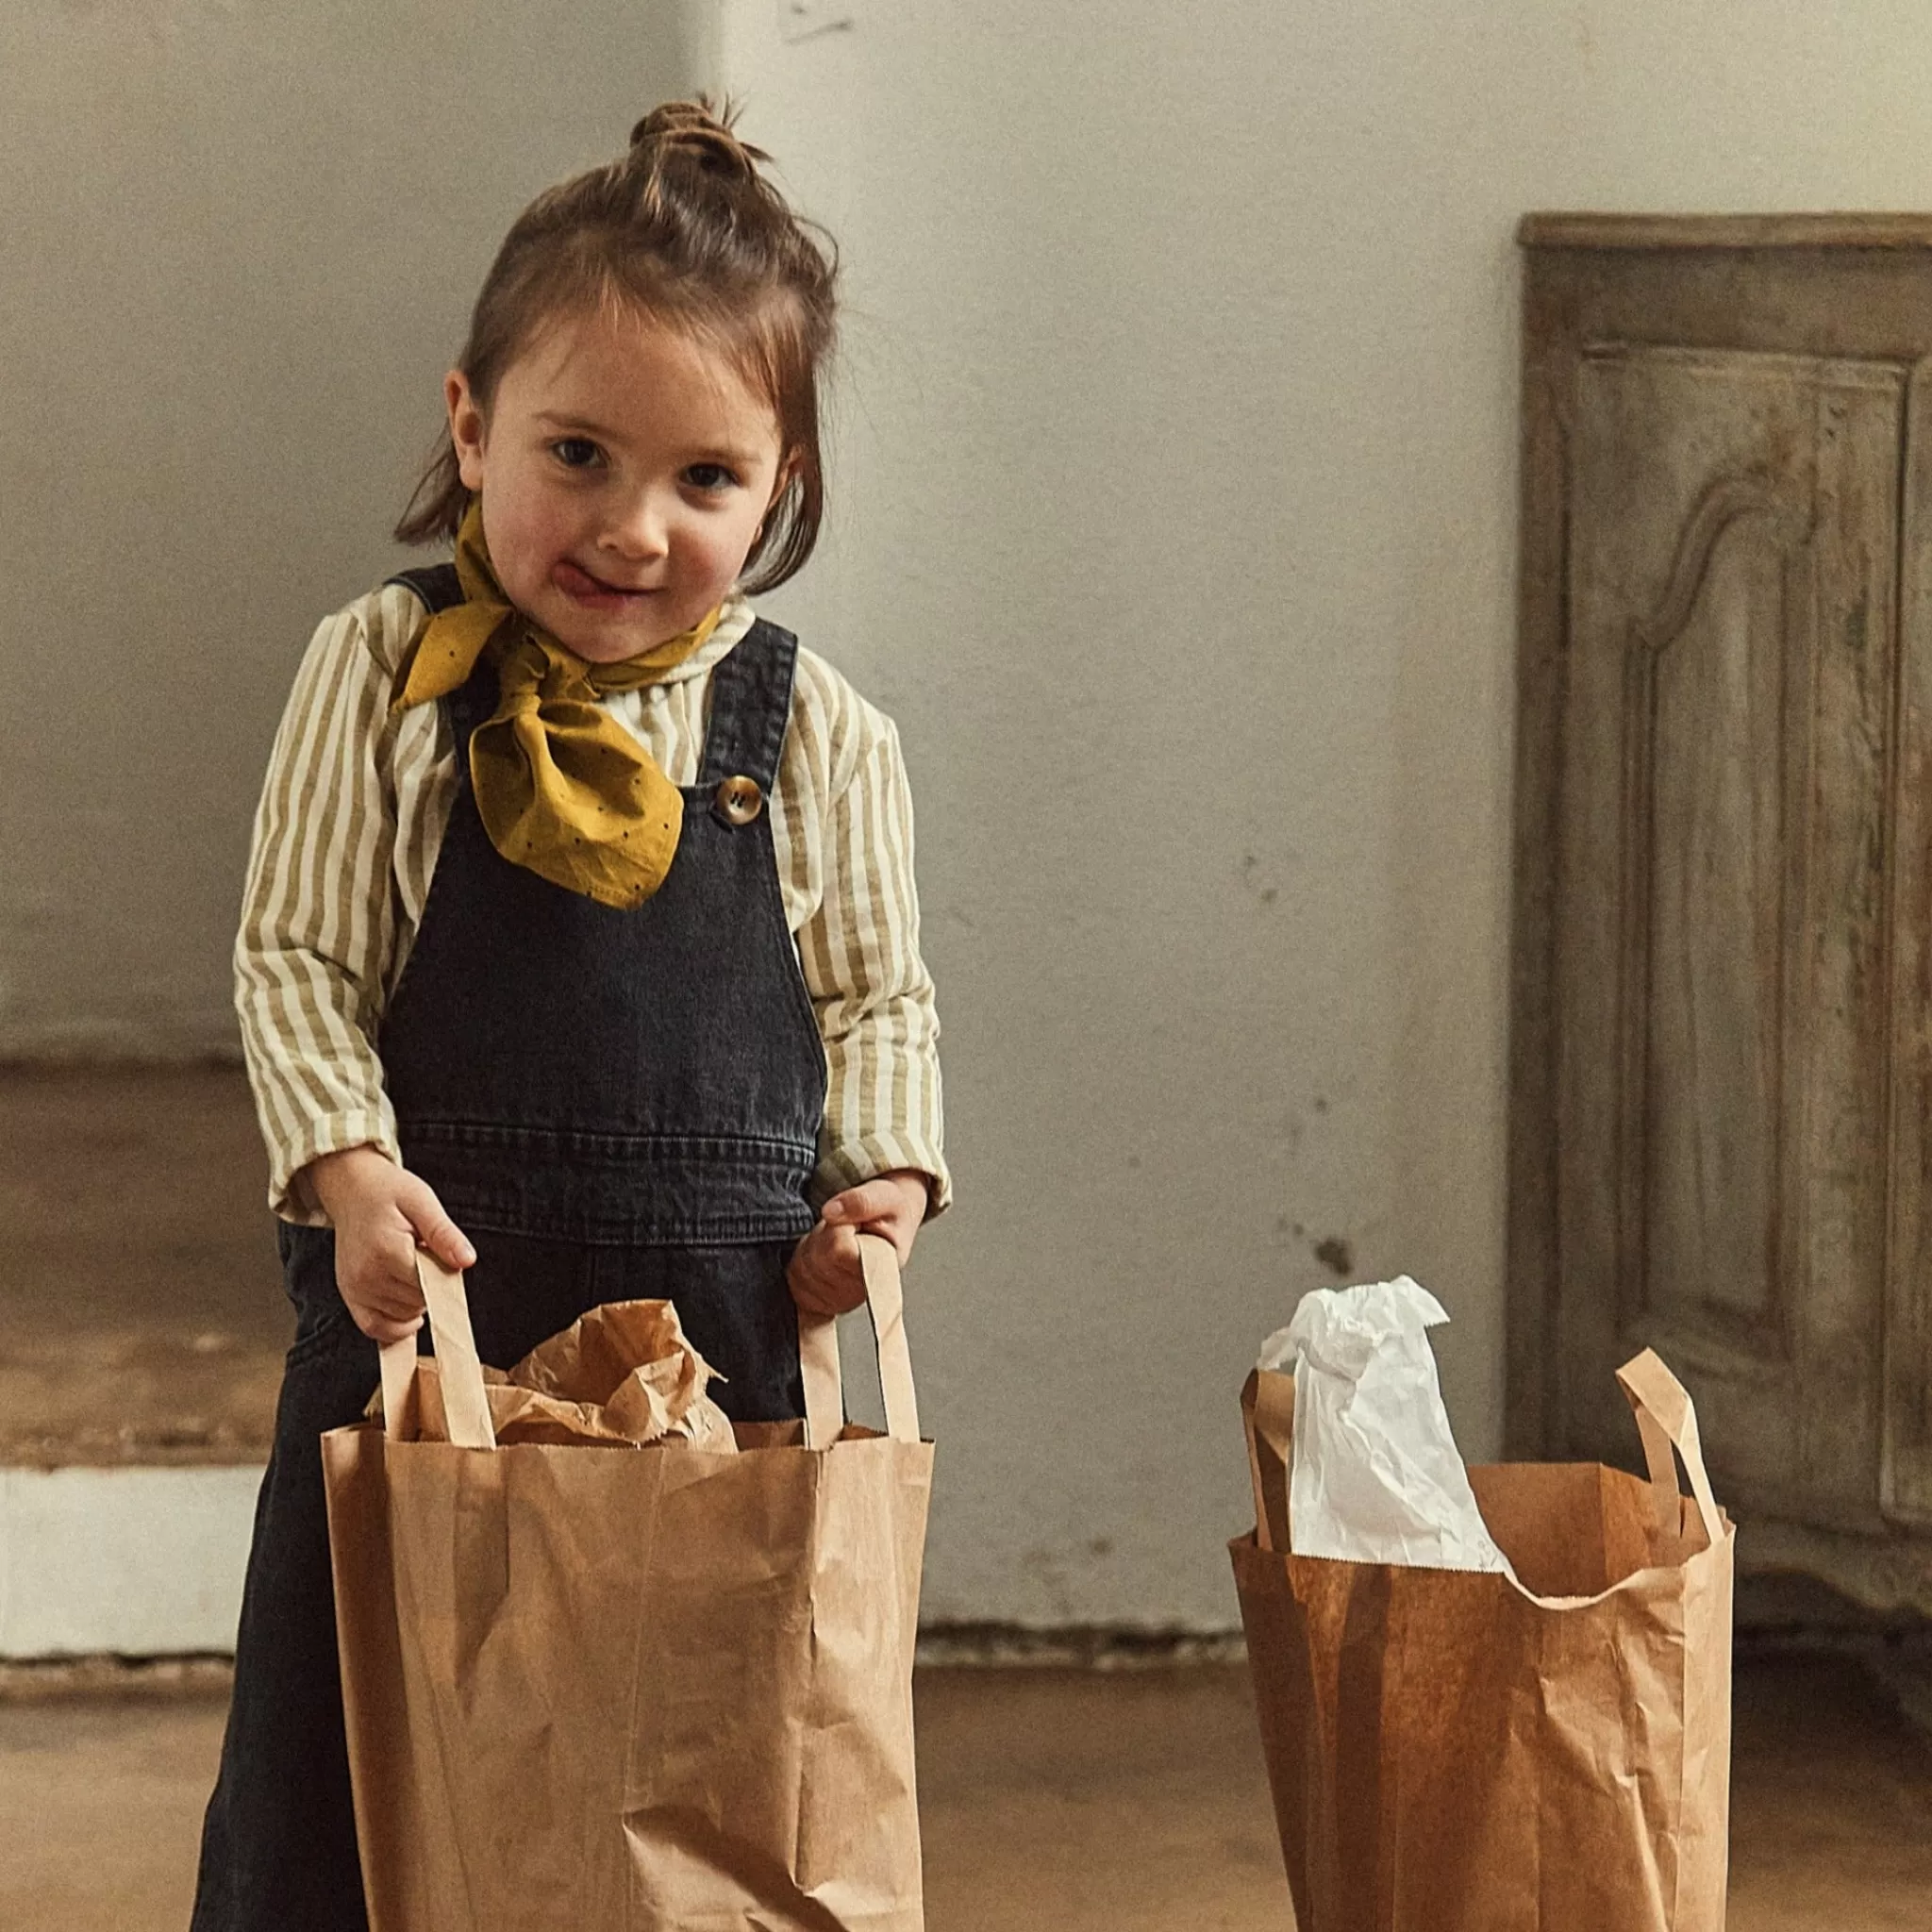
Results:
1336 1256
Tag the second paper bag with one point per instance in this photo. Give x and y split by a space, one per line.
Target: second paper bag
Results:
1475 1751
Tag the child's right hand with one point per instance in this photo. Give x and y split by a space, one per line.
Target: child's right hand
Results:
381 1213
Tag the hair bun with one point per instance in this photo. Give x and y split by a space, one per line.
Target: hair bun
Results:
694 128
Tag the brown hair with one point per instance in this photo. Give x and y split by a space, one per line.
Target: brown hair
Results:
686 230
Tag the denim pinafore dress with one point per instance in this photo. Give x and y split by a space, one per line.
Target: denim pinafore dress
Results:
609 1104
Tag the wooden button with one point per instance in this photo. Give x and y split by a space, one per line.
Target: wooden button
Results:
739 800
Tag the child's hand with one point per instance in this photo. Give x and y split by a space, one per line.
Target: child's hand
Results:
381 1212
825 1275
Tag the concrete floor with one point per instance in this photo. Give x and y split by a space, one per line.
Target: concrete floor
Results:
1126 1801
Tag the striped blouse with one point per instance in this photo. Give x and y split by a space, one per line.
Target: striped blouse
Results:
351 817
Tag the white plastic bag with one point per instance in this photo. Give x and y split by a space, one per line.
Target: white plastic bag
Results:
1376 1476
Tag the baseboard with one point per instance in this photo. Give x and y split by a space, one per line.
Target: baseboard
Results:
129 1579
127 1562
1075 1646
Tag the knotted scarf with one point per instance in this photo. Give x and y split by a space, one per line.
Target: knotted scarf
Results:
561 787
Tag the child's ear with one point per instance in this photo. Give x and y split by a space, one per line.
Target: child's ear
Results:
789 466
468 431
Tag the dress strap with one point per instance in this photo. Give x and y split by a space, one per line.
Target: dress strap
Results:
436 585
751 707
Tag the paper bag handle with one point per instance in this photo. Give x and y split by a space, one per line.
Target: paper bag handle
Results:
818 1354
1268 1416
459 1369
1666 1419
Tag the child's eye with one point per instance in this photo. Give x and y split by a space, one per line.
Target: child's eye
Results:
576 452
709 476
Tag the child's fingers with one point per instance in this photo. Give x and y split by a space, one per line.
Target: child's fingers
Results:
384 1308
379 1288
801 1277
812 1299
839 1249
395 1293
383 1329
891 1204
868 1201
433 1227
825 1275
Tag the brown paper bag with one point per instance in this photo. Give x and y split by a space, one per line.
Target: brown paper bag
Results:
662 1688
1453 1751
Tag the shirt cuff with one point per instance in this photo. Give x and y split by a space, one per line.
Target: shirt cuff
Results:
846 1164
289 1198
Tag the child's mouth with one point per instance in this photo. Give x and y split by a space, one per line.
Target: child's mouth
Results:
577 584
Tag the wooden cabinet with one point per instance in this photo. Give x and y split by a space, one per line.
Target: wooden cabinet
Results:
1721 990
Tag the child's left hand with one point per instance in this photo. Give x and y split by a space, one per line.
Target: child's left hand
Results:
825 1275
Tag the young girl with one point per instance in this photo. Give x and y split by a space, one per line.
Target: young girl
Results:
580 943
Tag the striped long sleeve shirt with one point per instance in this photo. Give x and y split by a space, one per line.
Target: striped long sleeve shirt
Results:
351 817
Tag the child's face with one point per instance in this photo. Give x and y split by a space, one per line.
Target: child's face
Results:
625 471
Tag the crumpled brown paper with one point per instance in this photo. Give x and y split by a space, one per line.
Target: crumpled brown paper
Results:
621 1374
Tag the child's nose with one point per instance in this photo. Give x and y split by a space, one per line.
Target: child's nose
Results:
638 530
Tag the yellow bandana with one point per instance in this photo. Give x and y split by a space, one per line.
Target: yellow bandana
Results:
561 787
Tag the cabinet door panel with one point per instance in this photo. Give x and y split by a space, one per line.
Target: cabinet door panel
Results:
1709 694
1720 941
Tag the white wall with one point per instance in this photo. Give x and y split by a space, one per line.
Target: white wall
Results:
1174 518
1177 528
1750 104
